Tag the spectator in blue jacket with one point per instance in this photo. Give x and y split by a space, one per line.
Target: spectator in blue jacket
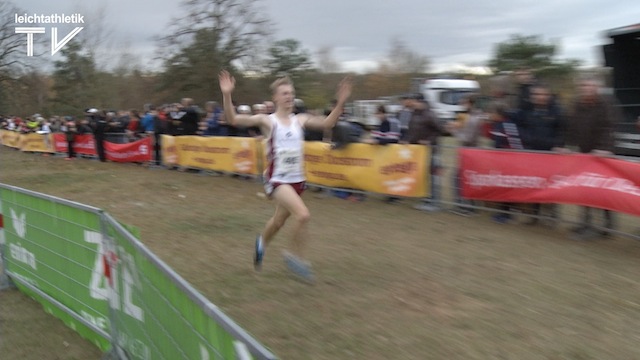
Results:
147 124
212 119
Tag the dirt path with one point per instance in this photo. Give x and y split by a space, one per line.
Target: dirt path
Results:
394 283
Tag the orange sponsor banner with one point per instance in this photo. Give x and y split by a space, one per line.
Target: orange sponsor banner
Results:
386 169
10 138
229 154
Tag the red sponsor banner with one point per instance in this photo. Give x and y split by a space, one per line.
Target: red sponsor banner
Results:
60 143
579 179
83 144
138 151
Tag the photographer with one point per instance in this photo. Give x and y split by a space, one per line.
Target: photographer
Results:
98 123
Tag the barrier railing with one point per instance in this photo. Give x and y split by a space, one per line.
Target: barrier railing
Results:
90 271
395 170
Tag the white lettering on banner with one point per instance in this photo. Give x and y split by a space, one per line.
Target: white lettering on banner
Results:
19 223
130 280
400 185
204 353
593 180
20 254
99 287
98 321
405 153
136 348
496 179
123 154
143 149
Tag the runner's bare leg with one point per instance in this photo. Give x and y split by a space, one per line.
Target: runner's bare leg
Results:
274 224
287 198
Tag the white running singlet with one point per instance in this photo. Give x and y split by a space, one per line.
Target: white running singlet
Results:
285 152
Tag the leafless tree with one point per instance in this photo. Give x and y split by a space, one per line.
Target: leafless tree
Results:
13 46
96 40
403 60
213 34
326 61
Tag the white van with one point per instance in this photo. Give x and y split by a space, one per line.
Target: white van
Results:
444 96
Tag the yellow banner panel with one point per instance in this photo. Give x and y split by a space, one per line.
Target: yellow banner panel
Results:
37 142
229 154
392 169
10 138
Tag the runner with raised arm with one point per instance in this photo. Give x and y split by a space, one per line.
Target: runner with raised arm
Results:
284 176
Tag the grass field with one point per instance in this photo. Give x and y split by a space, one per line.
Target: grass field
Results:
393 282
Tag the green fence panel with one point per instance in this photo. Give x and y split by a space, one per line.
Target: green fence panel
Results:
94 274
52 250
158 315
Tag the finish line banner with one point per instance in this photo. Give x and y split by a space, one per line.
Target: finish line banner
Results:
578 179
390 169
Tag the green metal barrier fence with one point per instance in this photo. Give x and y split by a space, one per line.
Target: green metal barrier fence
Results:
90 271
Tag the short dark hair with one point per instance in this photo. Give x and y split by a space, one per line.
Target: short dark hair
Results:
381 109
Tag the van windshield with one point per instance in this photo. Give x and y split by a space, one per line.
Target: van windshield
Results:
453 96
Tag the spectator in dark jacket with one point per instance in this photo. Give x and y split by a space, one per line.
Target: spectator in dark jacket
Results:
525 81
543 125
423 125
190 119
388 133
543 129
590 130
424 129
70 130
389 130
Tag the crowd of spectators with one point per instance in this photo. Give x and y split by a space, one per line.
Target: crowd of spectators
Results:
533 120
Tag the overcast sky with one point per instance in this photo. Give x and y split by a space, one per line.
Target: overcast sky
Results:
452 33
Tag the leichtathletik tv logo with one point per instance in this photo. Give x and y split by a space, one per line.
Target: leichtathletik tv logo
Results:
51 21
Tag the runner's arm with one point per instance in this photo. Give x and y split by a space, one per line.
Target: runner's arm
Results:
322 123
227 84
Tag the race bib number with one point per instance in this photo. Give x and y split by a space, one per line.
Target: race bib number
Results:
288 160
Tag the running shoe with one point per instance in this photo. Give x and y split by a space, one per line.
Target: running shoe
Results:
299 267
259 253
